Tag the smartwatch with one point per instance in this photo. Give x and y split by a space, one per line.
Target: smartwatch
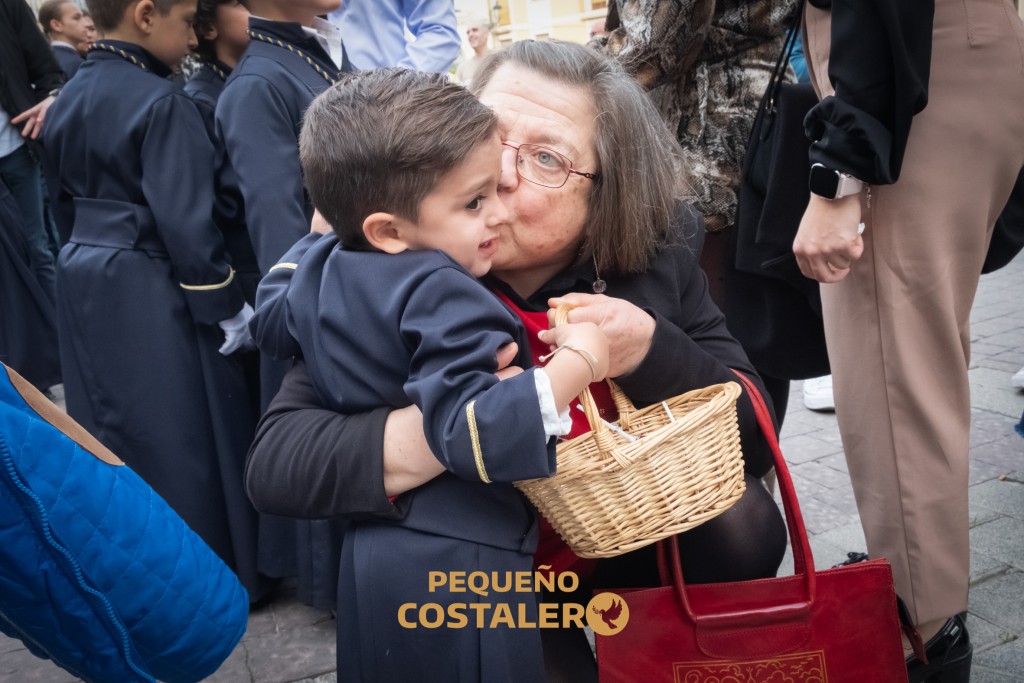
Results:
831 184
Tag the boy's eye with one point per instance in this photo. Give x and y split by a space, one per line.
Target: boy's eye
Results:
475 204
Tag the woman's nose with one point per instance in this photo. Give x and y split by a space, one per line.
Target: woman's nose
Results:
509 178
499 214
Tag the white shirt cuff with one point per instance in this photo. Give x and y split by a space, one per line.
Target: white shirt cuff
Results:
554 424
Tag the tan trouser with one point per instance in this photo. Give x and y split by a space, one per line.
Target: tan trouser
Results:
897 326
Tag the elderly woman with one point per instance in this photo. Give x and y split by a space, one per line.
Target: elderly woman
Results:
607 237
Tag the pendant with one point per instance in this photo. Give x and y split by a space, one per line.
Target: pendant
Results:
599 286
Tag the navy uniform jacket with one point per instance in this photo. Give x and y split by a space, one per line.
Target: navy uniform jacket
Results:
382 329
258 117
68 58
395 329
141 287
205 88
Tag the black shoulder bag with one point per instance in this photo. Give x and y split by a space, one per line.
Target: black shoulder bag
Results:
772 309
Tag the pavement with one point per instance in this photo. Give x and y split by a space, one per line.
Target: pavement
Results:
287 642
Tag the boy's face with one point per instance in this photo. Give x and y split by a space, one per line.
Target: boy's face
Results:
232 26
461 216
171 36
71 26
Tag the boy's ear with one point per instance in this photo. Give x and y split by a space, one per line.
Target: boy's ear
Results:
143 15
384 231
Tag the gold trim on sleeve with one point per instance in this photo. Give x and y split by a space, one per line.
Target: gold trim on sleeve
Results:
474 436
289 266
207 288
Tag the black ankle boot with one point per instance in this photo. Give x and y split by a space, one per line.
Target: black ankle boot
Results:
949 655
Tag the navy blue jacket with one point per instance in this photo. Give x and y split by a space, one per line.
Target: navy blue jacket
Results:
205 88
68 58
258 118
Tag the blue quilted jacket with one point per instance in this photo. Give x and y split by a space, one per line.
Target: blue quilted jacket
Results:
97 572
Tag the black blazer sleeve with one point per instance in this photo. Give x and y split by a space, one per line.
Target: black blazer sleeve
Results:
302 452
879 63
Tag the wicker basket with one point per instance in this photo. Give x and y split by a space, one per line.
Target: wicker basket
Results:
611 495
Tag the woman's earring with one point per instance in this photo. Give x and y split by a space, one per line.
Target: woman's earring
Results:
599 284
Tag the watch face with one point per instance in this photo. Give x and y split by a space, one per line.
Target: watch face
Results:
823 182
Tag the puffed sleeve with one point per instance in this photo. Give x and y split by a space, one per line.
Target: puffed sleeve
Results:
261 138
879 62
182 206
479 428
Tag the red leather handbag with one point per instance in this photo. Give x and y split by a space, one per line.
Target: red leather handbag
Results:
827 626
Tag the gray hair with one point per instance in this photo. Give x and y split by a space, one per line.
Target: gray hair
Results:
632 204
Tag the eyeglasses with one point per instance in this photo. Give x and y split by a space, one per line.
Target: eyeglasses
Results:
545 167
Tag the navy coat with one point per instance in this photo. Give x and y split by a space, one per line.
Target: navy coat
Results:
68 58
205 88
258 118
417 328
141 287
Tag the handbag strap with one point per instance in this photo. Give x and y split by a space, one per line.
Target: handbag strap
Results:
771 94
803 560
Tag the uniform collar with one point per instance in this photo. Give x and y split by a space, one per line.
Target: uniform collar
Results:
294 33
130 52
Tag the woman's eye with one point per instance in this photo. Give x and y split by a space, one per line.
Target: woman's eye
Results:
547 159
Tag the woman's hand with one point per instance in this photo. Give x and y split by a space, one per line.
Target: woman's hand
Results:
629 329
408 461
829 241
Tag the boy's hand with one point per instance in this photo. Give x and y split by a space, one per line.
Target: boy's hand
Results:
586 339
33 119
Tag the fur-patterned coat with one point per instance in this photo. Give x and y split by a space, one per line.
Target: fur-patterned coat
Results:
706 64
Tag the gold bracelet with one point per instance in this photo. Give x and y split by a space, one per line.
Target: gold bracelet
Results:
584 354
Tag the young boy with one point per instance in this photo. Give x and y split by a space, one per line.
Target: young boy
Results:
63 23
387 312
145 296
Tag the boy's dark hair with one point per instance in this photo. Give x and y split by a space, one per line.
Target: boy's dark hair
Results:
48 11
107 14
206 18
381 141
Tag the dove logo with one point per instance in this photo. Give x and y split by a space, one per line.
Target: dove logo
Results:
607 614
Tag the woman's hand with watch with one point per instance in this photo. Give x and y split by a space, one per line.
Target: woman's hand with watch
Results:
829 239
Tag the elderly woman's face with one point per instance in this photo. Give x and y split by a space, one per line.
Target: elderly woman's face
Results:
545 224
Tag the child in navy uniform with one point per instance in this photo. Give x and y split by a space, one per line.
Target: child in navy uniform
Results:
387 312
292 56
222 32
149 310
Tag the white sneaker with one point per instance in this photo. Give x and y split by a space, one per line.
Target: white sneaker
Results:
1018 379
818 394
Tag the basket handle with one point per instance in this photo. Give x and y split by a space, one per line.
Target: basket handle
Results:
623 405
